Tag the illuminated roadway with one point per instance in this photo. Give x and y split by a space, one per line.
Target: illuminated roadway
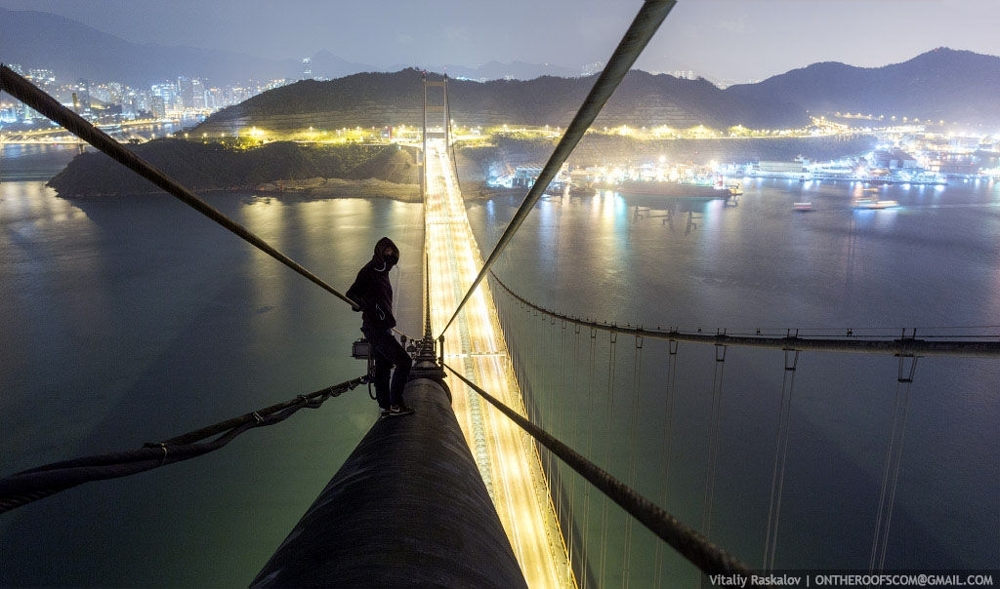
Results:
506 456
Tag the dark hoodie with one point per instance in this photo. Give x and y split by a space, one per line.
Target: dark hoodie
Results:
371 289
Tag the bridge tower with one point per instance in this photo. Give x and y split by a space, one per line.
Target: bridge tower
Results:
435 112
436 109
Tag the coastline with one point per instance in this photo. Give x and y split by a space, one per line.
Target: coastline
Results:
339 188
315 188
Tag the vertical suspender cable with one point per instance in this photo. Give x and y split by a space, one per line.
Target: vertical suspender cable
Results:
585 563
713 439
893 462
549 401
574 386
668 427
530 365
642 29
633 451
780 456
560 415
607 450
879 514
895 474
906 380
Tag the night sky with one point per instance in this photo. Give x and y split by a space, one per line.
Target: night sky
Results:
722 40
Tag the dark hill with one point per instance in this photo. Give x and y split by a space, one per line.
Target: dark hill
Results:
381 99
211 166
954 86
651 100
944 84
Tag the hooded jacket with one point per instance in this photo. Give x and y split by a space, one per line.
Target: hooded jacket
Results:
371 289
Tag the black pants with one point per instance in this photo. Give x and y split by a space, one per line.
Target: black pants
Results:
388 352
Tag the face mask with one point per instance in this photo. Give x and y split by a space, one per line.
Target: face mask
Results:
391 258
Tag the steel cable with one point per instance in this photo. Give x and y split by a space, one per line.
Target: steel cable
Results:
780 458
642 29
633 440
609 420
694 547
905 345
30 485
571 524
668 428
893 462
591 413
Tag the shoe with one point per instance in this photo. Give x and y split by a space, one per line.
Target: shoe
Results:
397 410
383 412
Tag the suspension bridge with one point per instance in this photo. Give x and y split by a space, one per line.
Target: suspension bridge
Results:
560 503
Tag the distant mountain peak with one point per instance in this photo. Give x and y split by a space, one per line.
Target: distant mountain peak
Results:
941 84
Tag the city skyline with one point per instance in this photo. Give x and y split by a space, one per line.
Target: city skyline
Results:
718 39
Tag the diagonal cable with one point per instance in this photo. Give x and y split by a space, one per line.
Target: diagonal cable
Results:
37 483
643 28
30 95
690 544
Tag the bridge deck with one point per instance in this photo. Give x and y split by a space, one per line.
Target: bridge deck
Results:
507 459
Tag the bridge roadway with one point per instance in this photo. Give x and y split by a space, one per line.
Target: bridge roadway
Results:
507 458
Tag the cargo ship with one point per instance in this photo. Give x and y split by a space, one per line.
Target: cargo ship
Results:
678 189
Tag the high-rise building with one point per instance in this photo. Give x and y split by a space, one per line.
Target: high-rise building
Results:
197 94
158 106
185 91
168 92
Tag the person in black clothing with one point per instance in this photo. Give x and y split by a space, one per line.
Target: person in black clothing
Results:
372 294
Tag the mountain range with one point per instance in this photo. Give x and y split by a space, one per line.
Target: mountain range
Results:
75 51
940 85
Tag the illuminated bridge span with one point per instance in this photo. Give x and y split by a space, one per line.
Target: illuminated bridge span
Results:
606 455
508 462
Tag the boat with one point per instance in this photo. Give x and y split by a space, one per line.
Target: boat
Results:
802 206
874 203
675 189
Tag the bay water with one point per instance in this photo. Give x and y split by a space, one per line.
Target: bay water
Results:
762 266
135 319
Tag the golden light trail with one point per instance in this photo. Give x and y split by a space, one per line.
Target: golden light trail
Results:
507 457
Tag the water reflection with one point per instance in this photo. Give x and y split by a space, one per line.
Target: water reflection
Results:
135 319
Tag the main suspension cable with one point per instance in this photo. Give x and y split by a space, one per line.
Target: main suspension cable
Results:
645 25
708 557
30 95
36 483
986 346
